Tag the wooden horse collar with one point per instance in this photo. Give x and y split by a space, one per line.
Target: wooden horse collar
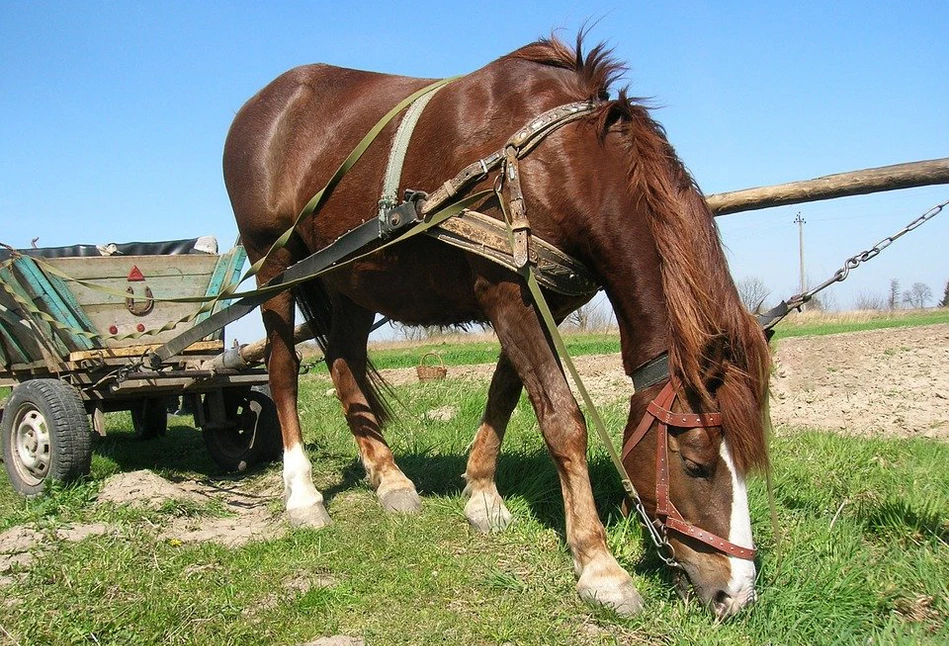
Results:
660 410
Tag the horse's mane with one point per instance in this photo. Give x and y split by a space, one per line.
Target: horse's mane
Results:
708 323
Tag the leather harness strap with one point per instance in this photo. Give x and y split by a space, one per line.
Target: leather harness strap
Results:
488 237
683 420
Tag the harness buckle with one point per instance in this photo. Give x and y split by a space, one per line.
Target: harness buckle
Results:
394 220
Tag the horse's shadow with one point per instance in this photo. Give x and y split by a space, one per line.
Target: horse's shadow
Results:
529 477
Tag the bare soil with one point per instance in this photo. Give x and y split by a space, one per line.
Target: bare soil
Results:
246 510
884 383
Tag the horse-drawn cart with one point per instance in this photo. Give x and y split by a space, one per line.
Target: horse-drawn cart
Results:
75 323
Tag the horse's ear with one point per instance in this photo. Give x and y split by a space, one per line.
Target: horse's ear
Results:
617 112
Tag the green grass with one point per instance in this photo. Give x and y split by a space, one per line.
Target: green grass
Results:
863 555
877 573
455 352
819 324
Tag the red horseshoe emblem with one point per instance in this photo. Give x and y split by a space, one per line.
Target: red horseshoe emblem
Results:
138 308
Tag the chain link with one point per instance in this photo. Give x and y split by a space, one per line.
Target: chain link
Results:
855 261
658 535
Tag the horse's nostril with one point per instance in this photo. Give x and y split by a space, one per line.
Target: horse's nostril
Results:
722 603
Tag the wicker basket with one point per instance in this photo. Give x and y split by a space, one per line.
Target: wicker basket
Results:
428 371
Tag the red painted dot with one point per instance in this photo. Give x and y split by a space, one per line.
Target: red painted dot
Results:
140 327
113 329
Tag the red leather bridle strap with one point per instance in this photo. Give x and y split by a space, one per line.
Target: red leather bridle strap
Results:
659 410
710 539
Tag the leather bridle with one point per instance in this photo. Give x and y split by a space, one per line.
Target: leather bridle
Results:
667 516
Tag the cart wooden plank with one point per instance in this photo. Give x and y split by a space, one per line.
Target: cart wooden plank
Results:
119 311
44 341
200 347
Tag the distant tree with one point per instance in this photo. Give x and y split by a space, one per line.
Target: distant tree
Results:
868 301
893 301
945 297
823 303
918 295
591 316
753 293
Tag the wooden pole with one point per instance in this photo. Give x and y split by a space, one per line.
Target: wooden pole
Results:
800 222
254 352
860 182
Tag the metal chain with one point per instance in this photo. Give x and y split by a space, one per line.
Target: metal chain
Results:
658 535
855 261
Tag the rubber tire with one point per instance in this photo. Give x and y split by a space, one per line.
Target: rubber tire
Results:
64 417
150 417
252 441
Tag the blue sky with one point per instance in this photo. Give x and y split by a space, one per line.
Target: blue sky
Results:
113 114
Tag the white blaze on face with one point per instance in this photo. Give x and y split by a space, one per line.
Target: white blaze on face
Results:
741 584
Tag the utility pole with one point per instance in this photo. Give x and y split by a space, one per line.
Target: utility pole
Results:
799 221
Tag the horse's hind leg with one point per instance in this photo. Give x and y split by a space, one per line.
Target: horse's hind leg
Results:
347 361
485 509
304 503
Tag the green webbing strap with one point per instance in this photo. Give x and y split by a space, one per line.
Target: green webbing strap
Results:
561 347
432 221
317 200
400 146
256 297
49 268
529 275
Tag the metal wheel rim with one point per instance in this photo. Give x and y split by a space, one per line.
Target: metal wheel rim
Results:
32 447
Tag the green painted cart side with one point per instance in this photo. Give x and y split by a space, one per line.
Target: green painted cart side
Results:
53 296
226 272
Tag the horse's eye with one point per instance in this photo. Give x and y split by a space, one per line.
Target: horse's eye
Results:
696 470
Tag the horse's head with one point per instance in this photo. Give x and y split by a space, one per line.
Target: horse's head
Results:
681 460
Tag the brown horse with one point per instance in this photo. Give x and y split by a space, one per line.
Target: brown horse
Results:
607 189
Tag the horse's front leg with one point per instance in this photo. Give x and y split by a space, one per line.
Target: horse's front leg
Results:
485 509
304 503
346 358
601 580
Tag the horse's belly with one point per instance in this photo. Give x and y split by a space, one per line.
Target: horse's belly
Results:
423 283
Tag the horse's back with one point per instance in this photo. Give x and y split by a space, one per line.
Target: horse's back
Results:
289 137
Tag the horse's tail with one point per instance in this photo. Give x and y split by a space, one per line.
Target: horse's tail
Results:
317 308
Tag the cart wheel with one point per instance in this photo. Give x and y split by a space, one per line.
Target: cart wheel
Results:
150 417
46 435
272 447
250 434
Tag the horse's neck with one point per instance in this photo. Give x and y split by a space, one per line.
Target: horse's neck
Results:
643 327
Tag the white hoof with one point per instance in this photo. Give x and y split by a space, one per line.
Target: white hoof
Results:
616 593
312 517
487 513
401 501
